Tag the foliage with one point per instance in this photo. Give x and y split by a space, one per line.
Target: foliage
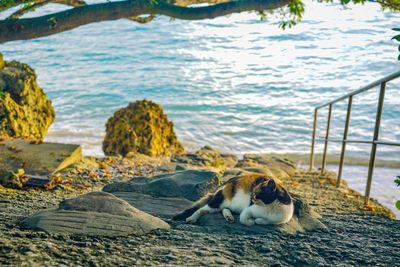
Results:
397 181
397 38
295 11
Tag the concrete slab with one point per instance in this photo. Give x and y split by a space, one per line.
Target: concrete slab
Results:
37 159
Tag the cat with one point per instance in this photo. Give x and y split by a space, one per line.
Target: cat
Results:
258 200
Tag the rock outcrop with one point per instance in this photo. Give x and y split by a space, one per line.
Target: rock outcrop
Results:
25 111
94 214
141 127
206 157
275 167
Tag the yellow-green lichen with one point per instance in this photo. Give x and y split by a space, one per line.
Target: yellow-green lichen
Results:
141 127
25 111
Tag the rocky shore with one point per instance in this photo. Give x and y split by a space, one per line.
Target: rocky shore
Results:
353 234
58 208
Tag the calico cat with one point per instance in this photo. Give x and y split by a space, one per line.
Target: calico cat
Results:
258 200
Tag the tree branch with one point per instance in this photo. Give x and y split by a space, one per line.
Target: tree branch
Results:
143 19
22 29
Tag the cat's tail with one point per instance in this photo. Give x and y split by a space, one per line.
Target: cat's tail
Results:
197 205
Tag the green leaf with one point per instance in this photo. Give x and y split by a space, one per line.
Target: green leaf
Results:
398 58
397 38
397 180
396 29
398 204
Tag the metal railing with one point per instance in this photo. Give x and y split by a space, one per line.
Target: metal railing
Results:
375 141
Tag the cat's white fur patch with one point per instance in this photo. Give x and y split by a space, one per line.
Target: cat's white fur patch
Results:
274 213
238 203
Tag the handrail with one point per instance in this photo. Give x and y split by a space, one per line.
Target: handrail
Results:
374 142
363 89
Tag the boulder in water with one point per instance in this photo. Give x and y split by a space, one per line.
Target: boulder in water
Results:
141 127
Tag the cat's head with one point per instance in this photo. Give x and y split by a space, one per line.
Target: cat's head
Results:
268 191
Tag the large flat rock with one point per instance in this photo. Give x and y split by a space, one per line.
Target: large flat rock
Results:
37 159
304 219
188 184
165 207
280 168
94 214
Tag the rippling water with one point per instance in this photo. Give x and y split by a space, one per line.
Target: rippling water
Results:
234 82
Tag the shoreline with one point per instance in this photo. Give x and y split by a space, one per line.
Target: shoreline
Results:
335 159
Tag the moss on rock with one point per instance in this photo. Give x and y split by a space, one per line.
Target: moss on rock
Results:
141 127
25 111
2 63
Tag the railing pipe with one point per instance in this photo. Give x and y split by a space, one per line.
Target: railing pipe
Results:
313 140
363 89
345 133
328 126
374 145
375 142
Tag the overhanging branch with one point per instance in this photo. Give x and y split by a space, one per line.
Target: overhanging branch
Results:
29 28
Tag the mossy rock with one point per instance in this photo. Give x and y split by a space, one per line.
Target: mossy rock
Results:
25 111
141 127
2 63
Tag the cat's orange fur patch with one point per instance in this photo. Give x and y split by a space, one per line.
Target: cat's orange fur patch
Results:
244 182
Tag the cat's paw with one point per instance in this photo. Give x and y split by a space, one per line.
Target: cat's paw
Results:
260 221
191 220
248 222
228 215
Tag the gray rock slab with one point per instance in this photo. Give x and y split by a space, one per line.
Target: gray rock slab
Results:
94 214
188 184
304 219
272 165
158 206
37 159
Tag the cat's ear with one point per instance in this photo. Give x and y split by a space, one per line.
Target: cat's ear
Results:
283 196
271 184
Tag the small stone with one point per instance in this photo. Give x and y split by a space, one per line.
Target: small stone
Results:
263 249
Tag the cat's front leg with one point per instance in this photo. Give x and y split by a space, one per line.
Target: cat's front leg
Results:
228 215
261 221
246 217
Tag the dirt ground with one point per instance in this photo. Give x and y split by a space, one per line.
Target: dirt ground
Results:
355 235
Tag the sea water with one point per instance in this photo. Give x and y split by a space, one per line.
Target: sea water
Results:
236 83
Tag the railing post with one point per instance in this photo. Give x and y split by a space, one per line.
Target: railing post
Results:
345 133
374 145
328 126
313 140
